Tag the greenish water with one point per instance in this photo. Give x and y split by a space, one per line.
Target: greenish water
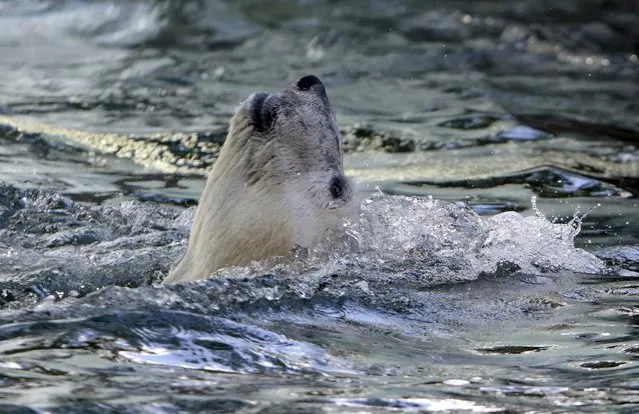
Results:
110 113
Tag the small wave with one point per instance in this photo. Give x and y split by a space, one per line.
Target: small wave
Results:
130 24
177 339
417 404
222 345
116 24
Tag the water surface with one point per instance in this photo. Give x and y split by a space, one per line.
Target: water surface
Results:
465 298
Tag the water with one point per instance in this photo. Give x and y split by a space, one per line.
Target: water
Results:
111 112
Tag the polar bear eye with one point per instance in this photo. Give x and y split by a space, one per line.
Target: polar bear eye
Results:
336 187
262 113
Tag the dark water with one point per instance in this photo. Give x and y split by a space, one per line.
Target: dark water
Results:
111 112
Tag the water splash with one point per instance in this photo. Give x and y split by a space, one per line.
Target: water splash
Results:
51 244
399 231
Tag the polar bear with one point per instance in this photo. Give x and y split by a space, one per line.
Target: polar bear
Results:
278 183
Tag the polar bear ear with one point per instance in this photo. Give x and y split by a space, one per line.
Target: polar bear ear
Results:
263 113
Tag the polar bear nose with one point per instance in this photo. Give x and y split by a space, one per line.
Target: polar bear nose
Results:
307 82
